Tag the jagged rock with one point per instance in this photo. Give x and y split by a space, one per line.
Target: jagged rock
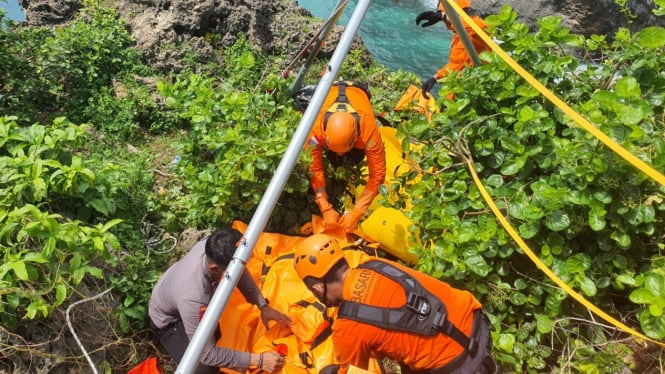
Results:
189 237
49 12
158 25
586 17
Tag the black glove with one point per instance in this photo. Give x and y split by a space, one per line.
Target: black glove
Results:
431 17
427 86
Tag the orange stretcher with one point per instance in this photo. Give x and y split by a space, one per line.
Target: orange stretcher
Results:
307 345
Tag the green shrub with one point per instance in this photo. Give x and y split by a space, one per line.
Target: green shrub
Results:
46 250
587 214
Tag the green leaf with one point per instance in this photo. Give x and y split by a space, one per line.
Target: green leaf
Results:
100 206
95 272
588 287
656 284
621 238
518 298
529 229
478 265
60 294
484 147
466 233
136 312
641 214
597 219
516 210
628 87
31 311
108 225
651 37
20 270
603 197
578 263
653 327
627 115
626 279
510 168
495 180
419 127
544 323
419 189
506 342
75 262
533 212
37 257
642 296
558 220
512 143
525 114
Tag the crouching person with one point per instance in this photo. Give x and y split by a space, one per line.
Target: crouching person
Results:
389 310
182 294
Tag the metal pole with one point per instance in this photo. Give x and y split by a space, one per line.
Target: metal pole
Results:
337 11
461 31
210 319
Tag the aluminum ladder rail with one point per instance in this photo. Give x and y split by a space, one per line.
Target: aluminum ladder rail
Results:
332 21
220 298
461 31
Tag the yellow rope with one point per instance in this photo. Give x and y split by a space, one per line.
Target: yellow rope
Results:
618 149
511 231
593 130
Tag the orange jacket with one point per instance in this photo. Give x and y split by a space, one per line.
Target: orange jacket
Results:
369 140
458 58
355 342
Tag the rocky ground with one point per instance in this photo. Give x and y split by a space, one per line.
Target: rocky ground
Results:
586 17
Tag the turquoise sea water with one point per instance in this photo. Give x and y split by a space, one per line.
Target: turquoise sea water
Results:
12 9
389 30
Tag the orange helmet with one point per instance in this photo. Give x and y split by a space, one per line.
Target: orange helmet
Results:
316 255
464 3
341 132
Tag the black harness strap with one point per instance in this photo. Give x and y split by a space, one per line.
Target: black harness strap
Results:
342 104
423 313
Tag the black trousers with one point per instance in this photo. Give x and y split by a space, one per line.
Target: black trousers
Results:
174 341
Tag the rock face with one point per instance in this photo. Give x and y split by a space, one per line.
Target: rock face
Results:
284 26
274 26
586 17
158 25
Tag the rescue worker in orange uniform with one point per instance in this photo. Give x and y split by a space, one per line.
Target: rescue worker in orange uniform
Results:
388 310
458 57
346 126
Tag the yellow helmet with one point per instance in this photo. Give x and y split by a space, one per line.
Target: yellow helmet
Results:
316 255
341 132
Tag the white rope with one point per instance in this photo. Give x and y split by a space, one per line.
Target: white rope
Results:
152 241
71 328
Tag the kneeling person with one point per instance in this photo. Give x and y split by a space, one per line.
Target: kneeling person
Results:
182 294
346 126
429 326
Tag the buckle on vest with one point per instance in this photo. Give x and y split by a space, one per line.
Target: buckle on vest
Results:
442 324
418 304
